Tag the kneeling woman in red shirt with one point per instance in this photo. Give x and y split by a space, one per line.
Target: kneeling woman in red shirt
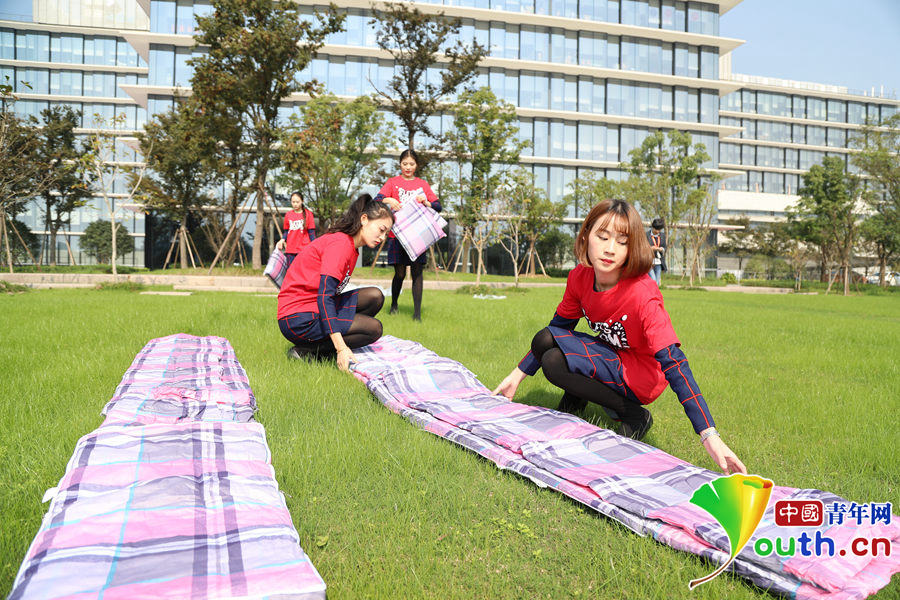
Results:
313 313
634 352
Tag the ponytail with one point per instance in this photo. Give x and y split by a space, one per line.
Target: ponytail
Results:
350 222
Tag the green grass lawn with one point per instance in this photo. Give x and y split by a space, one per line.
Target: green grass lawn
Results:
806 390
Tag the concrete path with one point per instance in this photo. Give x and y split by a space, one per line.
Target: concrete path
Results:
261 285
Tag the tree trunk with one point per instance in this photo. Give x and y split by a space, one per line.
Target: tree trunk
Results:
182 242
478 272
112 259
52 232
882 264
4 236
529 270
260 220
846 278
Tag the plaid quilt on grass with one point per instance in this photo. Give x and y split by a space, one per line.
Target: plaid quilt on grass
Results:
160 503
640 486
417 227
183 377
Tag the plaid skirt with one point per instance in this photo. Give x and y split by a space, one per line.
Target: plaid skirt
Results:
396 255
588 356
306 327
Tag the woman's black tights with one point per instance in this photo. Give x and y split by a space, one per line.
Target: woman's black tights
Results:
415 271
364 329
557 372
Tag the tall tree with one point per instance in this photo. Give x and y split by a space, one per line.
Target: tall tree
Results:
113 179
67 187
879 158
418 42
590 189
484 141
671 164
828 198
256 48
331 150
23 174
698 215
181 167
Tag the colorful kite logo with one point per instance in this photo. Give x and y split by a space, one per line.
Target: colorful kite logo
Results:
737 502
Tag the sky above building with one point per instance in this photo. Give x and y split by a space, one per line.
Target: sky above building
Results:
849 43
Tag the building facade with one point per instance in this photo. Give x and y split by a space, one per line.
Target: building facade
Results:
590 79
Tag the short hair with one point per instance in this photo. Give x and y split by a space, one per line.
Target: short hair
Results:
658 223
640 257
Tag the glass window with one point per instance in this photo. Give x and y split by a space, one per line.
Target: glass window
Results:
837 111
557 45
511 88
570 142
612 52
731 102
694 22
709 103
799 107
612 143
614 97
585 140
162 65
667 59
681 104
556 139
511 47
815 108
585 94
498 39
541 91
731 154
748 101
748 155
680 16
612 11
792 159
32 46
666 104
629 54
571 9
837 137
184 17
162 16
557 91
7 44
542 45
709 63
693 61
681 60
527 43
629 12
642 99
599 96
541 137
856 113
749 129
667 18
654 63
183 71
653 13
571 48
526 134
693 106
798 134
815 136
542 7
586 10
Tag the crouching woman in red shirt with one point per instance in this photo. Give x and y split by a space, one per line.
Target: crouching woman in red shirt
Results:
313 312
634 352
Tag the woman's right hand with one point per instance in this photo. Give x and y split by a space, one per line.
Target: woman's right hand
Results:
392 203
344 358
510 384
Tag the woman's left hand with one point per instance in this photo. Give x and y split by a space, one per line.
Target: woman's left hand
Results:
422 198
723 456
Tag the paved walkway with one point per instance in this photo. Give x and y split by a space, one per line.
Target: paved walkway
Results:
261 285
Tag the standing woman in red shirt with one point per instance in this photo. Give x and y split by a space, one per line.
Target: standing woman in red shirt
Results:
299 229
634 353
313 311
406 187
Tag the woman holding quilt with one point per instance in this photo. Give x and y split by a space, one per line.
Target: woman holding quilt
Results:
406 187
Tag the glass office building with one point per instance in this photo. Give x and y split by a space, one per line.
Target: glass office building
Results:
590 79
72 53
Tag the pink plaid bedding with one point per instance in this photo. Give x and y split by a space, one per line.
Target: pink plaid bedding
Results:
417 227
640 486
174 496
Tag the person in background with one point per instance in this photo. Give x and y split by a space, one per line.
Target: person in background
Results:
299 229
314 313
406 187
656 237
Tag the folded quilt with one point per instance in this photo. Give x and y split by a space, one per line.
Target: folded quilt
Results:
640 486
185 510
183 377
417 227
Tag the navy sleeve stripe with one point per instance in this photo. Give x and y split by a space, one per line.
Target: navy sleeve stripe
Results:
677 371
325 301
